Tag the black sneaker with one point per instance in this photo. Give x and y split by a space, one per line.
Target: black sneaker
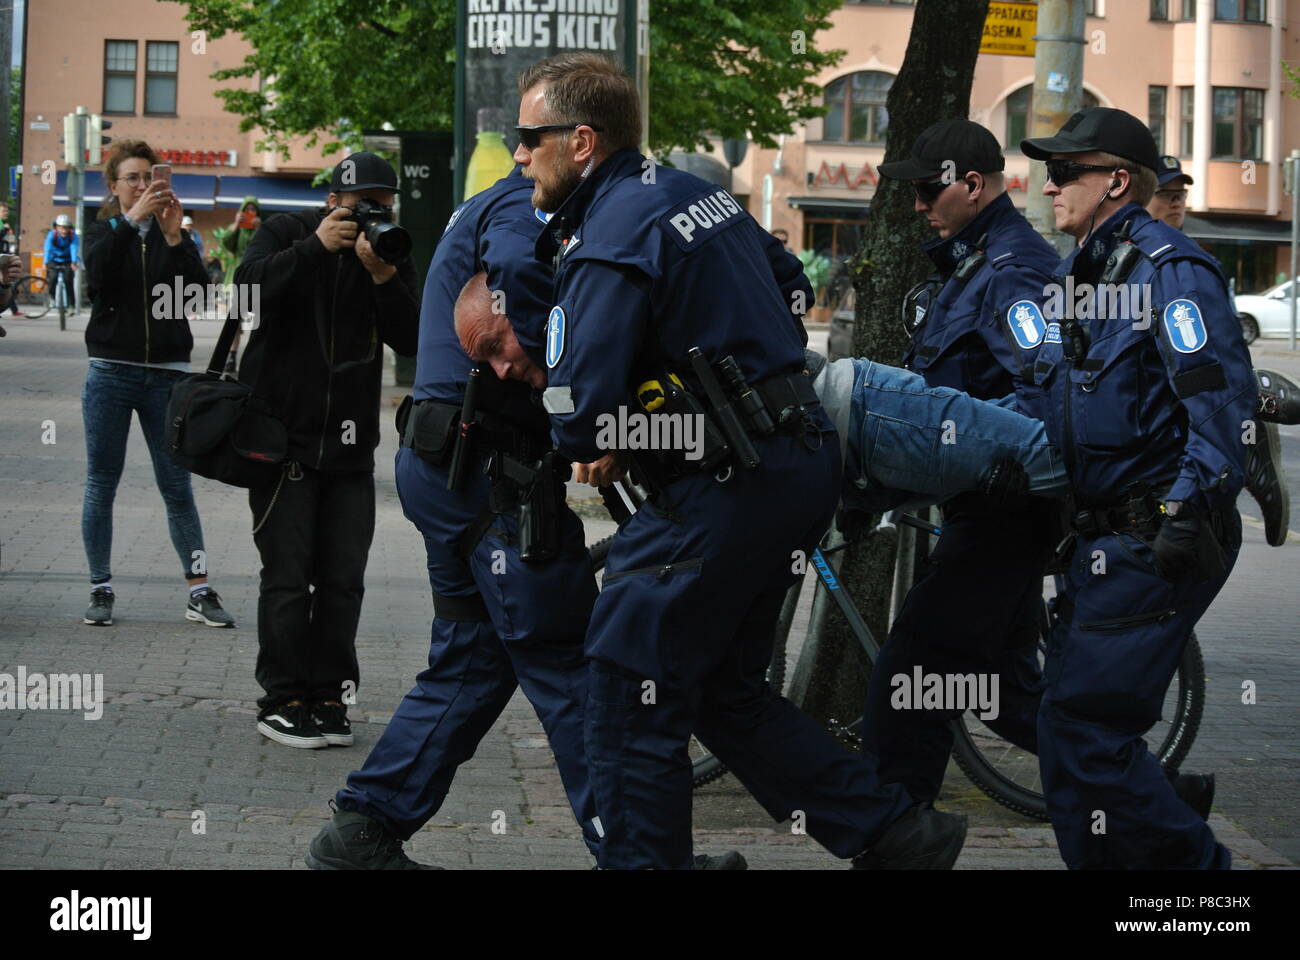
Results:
354 841
1194 789
332 718
731 860
292 725
1279 397
100 611
205 607
1266 481
921 839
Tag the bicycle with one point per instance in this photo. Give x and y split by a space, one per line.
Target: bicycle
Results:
1003 771
32 297
62 292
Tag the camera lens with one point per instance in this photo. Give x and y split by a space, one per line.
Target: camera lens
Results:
391 242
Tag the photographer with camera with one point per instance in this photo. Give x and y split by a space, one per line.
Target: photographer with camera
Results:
335 283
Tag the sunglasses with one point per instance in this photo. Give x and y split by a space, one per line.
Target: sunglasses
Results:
1061 172
1173 196
927 191
530 137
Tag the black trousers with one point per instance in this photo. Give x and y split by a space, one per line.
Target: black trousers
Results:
313 546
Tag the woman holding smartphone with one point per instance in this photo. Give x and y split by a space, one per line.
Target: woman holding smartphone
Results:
139 347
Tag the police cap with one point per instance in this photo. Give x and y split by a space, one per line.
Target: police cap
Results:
1101 129
959 141
1171 169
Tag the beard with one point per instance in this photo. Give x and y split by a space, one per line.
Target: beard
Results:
561 180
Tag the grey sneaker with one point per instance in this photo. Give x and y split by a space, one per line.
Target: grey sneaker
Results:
100 611
205 607
354 841
921 839
1266 481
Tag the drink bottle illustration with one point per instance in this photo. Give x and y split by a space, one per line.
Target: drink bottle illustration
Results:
491 160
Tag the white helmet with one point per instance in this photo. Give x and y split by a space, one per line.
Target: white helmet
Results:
187 221
63 220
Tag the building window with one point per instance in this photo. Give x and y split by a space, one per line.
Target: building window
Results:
1156 98
119 76
1249 10
160 78
1189 10
1186 120
857 111
1019 106
1159 9
1238 124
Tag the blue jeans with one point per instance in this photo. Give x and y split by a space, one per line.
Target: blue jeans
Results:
909 441
111 392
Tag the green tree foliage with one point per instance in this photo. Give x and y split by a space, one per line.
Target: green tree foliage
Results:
339 66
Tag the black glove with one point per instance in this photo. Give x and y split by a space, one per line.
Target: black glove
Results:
1187 549
1006 483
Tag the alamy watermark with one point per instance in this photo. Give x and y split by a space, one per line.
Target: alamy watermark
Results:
179 299
946 691
651 431
1102 301
53 691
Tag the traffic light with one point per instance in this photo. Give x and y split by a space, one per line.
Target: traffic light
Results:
95 139
72 146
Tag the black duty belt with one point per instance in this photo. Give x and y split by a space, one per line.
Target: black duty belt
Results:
1140 513
429 427
786 396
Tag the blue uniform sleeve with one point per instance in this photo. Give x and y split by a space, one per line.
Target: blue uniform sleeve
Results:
593 336
1209 369
507 257
787 270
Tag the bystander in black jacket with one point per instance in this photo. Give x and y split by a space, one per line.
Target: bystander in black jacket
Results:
315 353
122 271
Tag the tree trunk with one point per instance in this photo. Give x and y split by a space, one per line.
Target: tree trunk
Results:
934 84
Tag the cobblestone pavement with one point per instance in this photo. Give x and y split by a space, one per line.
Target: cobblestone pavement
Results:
176 749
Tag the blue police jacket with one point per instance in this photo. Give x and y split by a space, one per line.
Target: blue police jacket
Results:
964 340
494 230
1163 397
658 261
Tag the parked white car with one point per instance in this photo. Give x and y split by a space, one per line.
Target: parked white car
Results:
1266 314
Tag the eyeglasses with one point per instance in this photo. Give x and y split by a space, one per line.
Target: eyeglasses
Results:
927 191
530 137
1173 196
137 178
1061 172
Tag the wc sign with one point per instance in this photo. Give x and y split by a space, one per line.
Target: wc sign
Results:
413 174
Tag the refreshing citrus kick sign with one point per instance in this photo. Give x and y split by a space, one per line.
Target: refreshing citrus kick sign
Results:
1009 29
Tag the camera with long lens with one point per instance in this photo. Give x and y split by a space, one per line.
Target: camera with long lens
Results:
392 244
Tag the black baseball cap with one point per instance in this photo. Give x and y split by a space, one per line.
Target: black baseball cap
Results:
1171 169
962 142
1099 128
363 171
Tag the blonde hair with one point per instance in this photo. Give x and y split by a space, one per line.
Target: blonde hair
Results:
1142 180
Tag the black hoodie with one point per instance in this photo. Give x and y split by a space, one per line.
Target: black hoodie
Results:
315 354
122 270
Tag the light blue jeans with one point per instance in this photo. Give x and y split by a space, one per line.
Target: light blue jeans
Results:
912 444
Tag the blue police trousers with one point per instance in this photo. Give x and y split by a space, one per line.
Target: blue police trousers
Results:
1108 667
680 638
539 614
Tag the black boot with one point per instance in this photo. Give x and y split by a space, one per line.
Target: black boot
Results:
731 860
1279 397
1194 789
1266 481
921 839
354 841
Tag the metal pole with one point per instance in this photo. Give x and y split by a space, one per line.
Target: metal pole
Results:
1058 94
1295 236
6 48
76 194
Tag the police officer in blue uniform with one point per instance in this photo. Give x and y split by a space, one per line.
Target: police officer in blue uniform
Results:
665 304
976 327
1151 402
506 613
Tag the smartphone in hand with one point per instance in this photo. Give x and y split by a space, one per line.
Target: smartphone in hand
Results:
162 173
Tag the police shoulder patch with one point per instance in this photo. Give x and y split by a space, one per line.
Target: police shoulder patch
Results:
1053 333
1027 323
555 324
1185 326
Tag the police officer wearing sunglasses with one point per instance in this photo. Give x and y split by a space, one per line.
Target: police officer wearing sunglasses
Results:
976 326
1150 408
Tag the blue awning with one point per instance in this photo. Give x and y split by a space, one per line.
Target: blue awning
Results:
195 191
273 193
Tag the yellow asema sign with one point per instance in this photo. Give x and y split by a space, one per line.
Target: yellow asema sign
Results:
1009 29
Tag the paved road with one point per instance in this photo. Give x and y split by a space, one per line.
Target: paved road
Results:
176 746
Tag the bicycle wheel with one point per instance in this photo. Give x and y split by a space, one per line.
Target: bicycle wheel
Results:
32 295
705 767
1010 774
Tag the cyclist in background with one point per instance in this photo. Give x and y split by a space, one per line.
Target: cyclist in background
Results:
62 253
